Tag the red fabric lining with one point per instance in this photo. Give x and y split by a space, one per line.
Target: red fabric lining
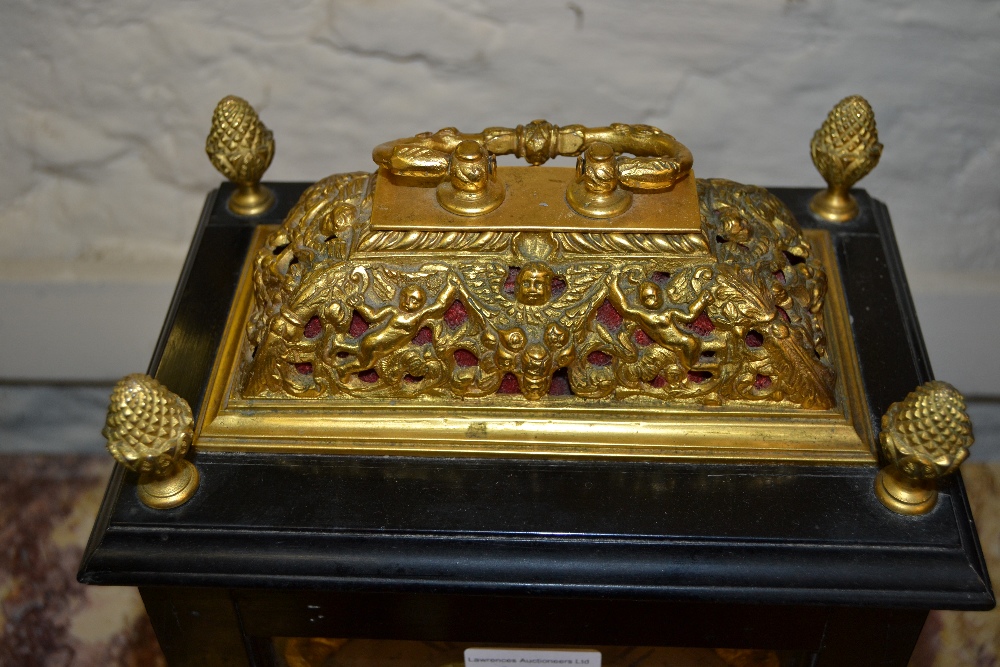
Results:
609 316
509 385
702 325
358 325
313 327
599 358
464 358
456 314
698 376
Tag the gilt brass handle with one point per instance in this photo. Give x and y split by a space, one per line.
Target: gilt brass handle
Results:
659 161
149 429
924 437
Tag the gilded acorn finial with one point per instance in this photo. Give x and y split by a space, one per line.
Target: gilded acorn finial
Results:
844 149
149 429
925 436
241 147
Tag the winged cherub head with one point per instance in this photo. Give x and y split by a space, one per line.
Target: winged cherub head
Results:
534 284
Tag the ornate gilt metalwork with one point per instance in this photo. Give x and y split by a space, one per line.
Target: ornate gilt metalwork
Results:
241 148
596 193
473 188
659 162
149 429
924 437
731 315
387 315
844 149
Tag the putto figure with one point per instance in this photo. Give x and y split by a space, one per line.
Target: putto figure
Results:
662 323
702 292
393 328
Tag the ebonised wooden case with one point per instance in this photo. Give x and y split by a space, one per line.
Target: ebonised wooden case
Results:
798 558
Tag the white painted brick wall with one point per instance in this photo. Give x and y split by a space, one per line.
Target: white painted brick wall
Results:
104 107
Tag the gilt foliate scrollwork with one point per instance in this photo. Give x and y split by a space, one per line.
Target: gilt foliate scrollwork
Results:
733 315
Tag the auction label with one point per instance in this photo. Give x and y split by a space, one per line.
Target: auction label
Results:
485 657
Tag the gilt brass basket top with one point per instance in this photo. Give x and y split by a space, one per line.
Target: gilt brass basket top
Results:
446 297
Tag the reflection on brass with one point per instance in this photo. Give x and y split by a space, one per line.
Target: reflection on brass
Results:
596 193
342 310
639 427
659 162
712 336
309 651
745 657
535 200
149 430
844 149
924 437
473 188
241 148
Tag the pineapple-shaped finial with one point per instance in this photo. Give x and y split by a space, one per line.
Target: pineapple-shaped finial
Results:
844 149
241 147
925 436
149 429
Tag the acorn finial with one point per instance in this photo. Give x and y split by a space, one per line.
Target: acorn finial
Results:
241 147
844 149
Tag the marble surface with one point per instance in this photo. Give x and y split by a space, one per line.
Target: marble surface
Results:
47 619
956 639
47 507
52 418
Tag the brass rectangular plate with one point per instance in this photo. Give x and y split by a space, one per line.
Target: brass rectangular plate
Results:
539 204
552 428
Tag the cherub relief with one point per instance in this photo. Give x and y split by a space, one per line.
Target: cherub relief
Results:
662 323
533 285
392 328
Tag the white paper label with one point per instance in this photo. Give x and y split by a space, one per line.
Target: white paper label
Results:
499 657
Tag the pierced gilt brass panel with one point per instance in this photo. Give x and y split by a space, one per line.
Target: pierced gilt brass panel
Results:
728 342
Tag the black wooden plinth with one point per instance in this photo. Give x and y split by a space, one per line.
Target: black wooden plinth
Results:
507 551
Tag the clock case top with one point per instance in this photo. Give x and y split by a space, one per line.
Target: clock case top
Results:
699 532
